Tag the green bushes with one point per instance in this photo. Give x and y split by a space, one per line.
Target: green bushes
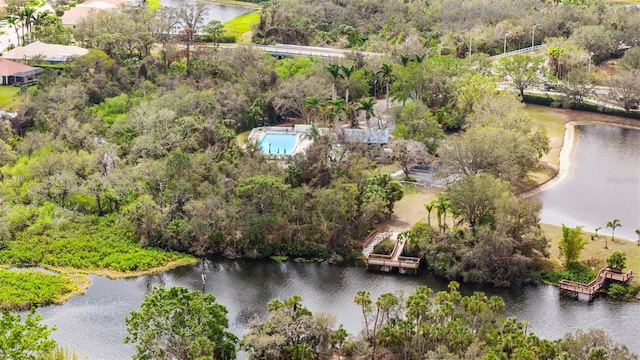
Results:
385 247
576 272
554 101
23 289
224 39
620 292
86 245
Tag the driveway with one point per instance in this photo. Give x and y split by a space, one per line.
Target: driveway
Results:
424 175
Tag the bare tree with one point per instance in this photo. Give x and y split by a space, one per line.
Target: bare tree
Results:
164 28
625 89
408 153
191 18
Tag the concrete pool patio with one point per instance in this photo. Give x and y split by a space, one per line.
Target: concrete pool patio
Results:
301 142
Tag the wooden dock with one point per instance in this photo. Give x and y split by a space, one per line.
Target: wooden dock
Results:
395 260
604 276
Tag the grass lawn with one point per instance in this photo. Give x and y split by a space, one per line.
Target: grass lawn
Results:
8 99
153 5
595 249
241 24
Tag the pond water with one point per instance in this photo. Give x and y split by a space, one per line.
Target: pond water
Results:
603 185
220 12
93 324
603 182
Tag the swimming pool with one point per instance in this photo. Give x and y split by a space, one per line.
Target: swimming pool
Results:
274 143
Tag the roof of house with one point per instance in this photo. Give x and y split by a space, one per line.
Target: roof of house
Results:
367 136
50 52
74 15
12 68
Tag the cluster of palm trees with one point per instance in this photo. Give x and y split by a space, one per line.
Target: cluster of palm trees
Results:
442 206
27 19
338 108
334 110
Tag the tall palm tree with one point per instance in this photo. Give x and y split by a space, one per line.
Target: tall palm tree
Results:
429 207
14 21
386 71
366 105
347 72
613 224
336 109
29 15
638 233
311 105
442 205
334 70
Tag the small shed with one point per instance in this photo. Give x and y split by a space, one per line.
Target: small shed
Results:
15 73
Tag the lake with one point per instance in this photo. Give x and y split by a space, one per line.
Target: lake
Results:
603 182
220 12
93 323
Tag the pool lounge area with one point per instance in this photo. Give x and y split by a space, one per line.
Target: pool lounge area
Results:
280 141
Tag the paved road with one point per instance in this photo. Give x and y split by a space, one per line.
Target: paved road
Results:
288 50
424 175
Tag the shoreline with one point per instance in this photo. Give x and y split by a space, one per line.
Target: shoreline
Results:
82 280
244 4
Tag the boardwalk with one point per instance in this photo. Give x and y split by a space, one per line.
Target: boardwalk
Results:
395 260
591 289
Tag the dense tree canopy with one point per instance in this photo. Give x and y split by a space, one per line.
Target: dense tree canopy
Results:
176 323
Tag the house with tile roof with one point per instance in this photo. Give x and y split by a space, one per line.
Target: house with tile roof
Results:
15 73
48 53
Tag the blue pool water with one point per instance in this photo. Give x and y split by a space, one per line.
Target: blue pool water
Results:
273 143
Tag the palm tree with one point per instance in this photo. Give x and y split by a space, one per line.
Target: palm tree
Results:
29 16
442 205
363 298
615 223
366 105
443 115
386 71
347 71
313 133
311 105
638 233
404 59
14 21
429 207
598 229
336 109
334 70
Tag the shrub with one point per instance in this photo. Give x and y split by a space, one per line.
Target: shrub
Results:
575 272
620 292
384 247
617 260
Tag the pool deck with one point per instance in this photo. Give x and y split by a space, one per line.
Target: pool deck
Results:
301 145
